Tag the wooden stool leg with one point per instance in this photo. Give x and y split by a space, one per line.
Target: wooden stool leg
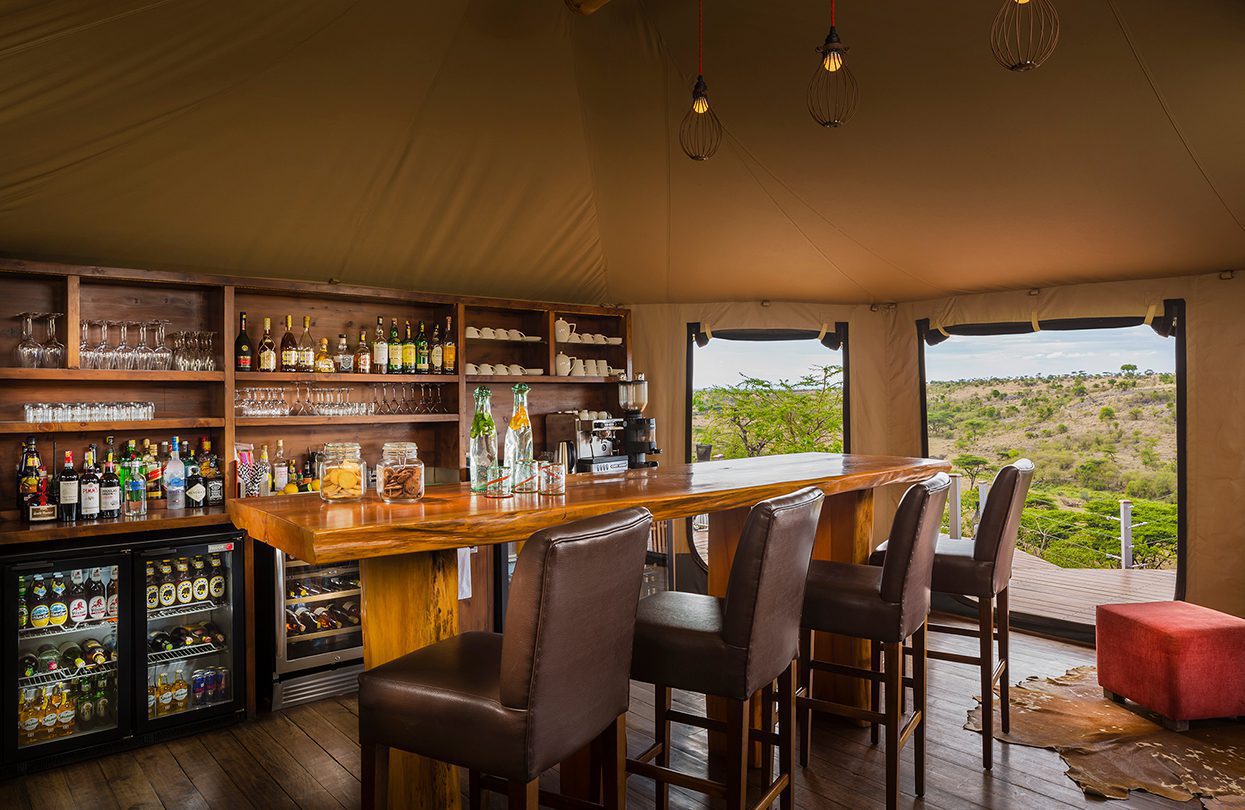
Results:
767 723
893 669
475 793
786 736
525 795
374 770
875 687
1004 621
804 716
661 730
985 632
738 722
918 705
614 764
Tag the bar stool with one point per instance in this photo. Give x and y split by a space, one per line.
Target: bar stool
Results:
886 605
982 568
732 648
509 706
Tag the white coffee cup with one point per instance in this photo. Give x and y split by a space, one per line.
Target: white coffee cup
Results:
577 368
599 340
472 368
486 368
590 368
586 415
505 334
515 370
515 334
472 332
488 333
575 338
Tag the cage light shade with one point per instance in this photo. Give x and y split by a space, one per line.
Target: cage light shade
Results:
832 91
1024 34
700 134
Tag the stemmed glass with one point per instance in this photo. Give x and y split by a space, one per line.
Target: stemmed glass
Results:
101 353
162 355
142 352
123 354
28 352
85 358
53 349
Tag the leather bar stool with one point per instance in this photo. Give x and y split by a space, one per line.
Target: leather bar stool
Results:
885 605
982 568
509 706
732 648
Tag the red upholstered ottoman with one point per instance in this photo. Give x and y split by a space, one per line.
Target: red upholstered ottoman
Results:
1183 661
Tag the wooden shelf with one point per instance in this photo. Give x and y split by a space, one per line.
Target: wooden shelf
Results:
373 419
507 340
14 531
146 426
106 375
261 377
544 378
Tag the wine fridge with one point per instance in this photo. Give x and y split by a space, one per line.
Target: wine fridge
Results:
86 655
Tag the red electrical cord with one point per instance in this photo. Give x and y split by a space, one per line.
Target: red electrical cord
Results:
700 37
831 13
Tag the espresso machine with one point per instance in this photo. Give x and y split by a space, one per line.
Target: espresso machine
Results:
639 432
592 445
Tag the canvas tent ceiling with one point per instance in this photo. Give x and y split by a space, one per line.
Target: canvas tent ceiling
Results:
513 148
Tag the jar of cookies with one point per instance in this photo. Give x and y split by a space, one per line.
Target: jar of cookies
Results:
341 472
400 474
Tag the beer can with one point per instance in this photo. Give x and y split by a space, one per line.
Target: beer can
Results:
222 683
210 682
198 687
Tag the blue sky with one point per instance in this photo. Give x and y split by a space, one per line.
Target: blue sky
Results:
723 361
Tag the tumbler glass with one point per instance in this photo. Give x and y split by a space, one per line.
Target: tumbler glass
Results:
499 483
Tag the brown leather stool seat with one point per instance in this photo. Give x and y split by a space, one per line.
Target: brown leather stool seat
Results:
981 567
509 706
849 598
732 648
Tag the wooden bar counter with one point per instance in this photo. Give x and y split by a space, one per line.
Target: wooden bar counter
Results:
409 567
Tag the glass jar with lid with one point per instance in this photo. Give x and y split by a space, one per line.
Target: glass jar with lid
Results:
341 471
400 473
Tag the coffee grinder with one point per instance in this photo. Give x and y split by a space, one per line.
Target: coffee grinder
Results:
639 432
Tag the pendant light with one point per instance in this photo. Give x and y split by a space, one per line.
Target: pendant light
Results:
700 134
1024 34
832 92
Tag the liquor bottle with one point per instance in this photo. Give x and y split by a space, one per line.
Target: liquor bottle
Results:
175 478
362 356
395 350
41 507
267 348
181 692
184 584
78 608
242 347
88 489
280 470
67 491
449 349
288 348
109 490
153 587
344 359
265 483
23 608
380 348
196 490
306 347
408 352
92 453
168 588
199 579
324 360
519 436
123 469
216 579
164 696
436 352
421 351
97 599
209 468
39 606
483 439
28 473
49 658
111 596
153 471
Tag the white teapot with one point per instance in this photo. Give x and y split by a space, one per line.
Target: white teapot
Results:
562 330
562 365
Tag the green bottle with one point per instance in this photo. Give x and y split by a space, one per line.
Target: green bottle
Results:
395 349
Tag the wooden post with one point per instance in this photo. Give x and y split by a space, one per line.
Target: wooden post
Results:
956 520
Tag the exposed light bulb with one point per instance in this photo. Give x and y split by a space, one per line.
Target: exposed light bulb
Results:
700 134
832 92
700 105
832 61
1020 2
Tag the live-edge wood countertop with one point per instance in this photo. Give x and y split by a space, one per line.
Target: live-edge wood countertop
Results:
450 516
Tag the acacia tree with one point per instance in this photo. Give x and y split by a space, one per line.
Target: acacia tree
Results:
972 466
758 417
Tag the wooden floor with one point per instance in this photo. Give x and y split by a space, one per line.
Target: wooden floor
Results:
1041 588
308 757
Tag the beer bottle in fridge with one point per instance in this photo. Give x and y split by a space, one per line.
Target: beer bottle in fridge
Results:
78 607
97 602
111 597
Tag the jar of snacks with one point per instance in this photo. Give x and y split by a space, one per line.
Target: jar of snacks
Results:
400 474
341 472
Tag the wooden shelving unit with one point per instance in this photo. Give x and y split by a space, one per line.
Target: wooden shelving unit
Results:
144 426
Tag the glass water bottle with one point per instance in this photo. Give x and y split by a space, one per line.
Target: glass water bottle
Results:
483 439
519 436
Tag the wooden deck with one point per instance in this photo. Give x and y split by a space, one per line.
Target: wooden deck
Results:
1040 588
308 757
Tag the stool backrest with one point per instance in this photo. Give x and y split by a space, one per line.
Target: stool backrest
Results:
1000 519
909 565
570 620
765 593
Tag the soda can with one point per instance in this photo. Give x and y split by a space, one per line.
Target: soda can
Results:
222 683
210 682
198 687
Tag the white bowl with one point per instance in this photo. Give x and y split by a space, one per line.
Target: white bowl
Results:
533 372
614 341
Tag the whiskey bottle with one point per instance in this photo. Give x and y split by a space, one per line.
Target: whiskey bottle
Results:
324 361
289 347
344 359
242 347
380 348
362 356
395 349
436 352
449 350
422 351
306 347
408 352
28 473
267 348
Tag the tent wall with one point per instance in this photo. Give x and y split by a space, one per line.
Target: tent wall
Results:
885 387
